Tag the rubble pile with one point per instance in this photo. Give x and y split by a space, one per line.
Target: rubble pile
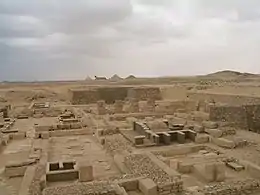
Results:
98 188
117 143
248 186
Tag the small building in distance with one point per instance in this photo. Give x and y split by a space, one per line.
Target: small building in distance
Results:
100 78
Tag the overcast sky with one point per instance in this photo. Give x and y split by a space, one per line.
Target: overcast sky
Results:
65 39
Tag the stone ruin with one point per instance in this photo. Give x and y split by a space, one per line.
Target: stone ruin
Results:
159 133
69 171
111 94
134 106
244 117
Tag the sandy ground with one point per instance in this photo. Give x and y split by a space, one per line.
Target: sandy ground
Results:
86 147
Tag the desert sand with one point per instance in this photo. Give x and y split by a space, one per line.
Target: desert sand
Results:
195 135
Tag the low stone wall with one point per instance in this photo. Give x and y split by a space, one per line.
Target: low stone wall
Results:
230 99
248 186
145 93
142 165
98 188
83 96
231 114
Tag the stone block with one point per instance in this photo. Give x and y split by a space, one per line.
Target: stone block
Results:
180 137
45 135
202 138
184 167
214 132
139 140
198 128
253 169
5 140
166 138
210 172
210 125
192 135
220 173
147 187
129 184
85 171
75 126
225 143
19 136
15 171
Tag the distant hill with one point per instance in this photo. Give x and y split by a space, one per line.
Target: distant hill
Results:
230 73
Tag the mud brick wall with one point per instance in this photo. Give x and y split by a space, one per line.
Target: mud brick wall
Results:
230 99
230 114
84 96
249 186
145 93
111 94
253 117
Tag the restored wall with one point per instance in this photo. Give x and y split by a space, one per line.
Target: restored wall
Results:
111 94
232 114
84 96
253 117
230 99
145 93
247 116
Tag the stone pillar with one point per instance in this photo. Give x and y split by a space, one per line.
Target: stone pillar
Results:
166 138
181 137
101 107
85 171
150 105
118 106
134 106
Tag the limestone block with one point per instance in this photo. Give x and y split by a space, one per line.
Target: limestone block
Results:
15 171
19 136
210 172
198 128
220 172
253 170
129 184
75 126
43 182
181 137
166 138
85 171
210 124
147 187
45 135
202 138
184 167
100 132
192 135
222 142
5 140
214 132
139 140
66 126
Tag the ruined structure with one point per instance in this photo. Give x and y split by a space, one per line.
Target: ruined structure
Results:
180 138
111 94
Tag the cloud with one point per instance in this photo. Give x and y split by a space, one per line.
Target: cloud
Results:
144 37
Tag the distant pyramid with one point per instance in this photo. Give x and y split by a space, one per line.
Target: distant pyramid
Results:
115 78
88 78
130 77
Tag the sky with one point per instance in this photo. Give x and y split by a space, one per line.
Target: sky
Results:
65 39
